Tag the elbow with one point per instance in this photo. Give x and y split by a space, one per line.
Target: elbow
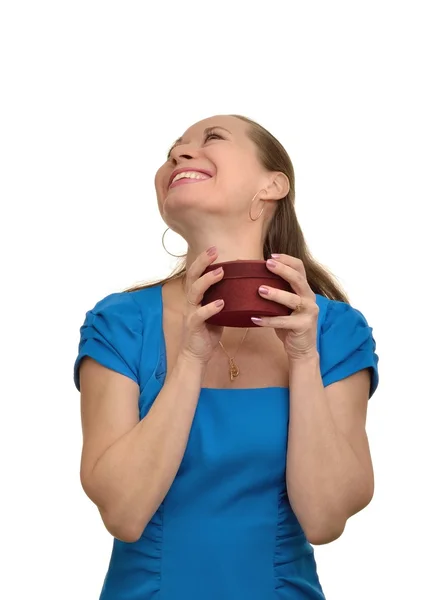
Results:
317 536
325 530
129 536
124 530
121 525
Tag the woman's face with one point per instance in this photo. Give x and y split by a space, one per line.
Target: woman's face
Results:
213 166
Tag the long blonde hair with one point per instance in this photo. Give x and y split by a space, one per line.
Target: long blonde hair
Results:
284 234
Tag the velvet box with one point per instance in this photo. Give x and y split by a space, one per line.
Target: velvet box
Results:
239 289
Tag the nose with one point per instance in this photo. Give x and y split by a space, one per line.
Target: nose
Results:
184 152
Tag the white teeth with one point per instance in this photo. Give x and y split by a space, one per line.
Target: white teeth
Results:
190 175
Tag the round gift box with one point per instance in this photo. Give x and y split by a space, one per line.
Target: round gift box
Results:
239 289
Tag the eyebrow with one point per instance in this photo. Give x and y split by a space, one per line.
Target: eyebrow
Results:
206 131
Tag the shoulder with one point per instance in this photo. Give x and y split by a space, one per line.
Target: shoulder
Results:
128 305
335 312
114 329
345 341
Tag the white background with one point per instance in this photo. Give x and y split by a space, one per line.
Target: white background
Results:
93 94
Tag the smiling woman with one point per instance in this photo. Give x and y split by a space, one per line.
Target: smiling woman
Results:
212 490
282 231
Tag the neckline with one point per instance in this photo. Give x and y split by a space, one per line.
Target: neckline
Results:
268 388
209 389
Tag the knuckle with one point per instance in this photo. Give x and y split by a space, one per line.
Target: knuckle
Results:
207 280
192 271
193 318
195 291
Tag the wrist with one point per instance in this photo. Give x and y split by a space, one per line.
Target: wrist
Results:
187 361
187 375
304 368
311 357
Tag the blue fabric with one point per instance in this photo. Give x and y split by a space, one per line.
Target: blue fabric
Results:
346 344
112 335
226 529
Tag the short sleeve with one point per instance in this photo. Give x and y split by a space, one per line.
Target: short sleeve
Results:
112 335
346 345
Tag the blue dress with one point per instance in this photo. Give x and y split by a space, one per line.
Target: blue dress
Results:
225 530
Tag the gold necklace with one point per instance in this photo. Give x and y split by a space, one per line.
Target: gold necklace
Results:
233 367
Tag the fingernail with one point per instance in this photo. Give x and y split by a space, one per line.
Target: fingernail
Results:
256 320
271 263
219 302
211 251
218 271
263 290
275 255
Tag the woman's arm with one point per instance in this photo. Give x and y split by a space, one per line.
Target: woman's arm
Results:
329 468
129 465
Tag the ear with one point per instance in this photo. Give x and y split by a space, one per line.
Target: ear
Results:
278 187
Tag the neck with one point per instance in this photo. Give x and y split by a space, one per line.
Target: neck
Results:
233 241
233 244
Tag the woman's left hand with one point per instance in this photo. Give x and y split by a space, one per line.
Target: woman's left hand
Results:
297 331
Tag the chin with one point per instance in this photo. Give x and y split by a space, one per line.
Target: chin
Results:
180 198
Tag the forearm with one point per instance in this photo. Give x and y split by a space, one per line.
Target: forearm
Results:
325 480
133 476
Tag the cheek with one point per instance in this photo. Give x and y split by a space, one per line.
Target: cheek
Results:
160 181
238 179
238 168
158 177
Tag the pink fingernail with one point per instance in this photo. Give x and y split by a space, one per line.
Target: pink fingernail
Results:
211 251
263 290
275 255
256 320
271 263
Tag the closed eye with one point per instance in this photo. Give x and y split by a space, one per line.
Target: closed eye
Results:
213 135
209 134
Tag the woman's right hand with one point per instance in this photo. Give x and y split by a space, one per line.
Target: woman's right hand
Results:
199 339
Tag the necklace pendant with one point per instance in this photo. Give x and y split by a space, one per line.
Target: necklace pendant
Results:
233 369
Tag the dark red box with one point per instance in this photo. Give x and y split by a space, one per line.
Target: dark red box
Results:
239 290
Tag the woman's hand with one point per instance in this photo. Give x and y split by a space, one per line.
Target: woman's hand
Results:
297 331
199 340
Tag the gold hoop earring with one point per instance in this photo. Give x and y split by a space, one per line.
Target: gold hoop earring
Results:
167 251
251 205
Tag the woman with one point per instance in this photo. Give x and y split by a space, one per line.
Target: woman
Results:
216 482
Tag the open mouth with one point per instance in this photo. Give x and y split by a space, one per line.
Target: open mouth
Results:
188 177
